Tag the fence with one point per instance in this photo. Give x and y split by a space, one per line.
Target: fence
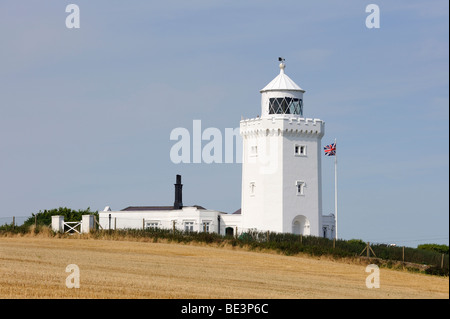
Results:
14 220
198 230
9 223
284 242
292 244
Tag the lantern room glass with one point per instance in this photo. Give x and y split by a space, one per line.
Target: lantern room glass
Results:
286 105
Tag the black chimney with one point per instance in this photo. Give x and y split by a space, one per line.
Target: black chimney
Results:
178 204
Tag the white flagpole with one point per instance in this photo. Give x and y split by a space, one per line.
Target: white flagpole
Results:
335 192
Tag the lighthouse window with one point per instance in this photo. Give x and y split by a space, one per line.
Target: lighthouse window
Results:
300 150
300 187
286 105
252 189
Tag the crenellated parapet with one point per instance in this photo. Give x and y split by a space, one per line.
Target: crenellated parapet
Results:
282 126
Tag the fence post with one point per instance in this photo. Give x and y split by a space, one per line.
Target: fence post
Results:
143 223
87 223
267 236
301 239
334 243
442 261
14 222
97 223
58 223
173 226
115 223
368 251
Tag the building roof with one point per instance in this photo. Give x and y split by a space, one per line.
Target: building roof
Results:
146 208
238 212
139 208
282 83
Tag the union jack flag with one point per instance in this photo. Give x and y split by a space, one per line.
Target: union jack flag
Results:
330 150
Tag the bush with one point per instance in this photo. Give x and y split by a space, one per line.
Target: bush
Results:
70 215
14 229
441 249
44 218
437 271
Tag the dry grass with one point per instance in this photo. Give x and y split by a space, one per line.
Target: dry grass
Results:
34 267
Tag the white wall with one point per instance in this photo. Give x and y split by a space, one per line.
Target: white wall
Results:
305 168
328 222
275 170
233 221
166 219
260 209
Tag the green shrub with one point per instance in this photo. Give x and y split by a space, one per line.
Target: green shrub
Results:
437 271
14 229
441 249
45 217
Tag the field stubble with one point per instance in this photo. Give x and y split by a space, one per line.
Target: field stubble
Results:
34 267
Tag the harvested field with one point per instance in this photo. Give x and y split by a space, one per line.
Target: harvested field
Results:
34 267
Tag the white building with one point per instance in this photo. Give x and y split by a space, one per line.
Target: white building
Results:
281 177
188 218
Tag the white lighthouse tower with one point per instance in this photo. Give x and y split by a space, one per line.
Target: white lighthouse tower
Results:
281 168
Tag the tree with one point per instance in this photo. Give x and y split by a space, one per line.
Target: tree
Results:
442 249
70 215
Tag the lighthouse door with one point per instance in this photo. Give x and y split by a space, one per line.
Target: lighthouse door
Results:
300 225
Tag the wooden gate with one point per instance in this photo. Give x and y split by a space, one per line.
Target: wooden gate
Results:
73 227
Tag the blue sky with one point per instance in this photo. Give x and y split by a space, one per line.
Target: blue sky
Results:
86 114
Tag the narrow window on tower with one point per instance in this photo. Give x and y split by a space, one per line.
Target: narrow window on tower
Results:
254 150
252 188
300 150
300 187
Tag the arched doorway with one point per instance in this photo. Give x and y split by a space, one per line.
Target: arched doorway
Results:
300 225
229 231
